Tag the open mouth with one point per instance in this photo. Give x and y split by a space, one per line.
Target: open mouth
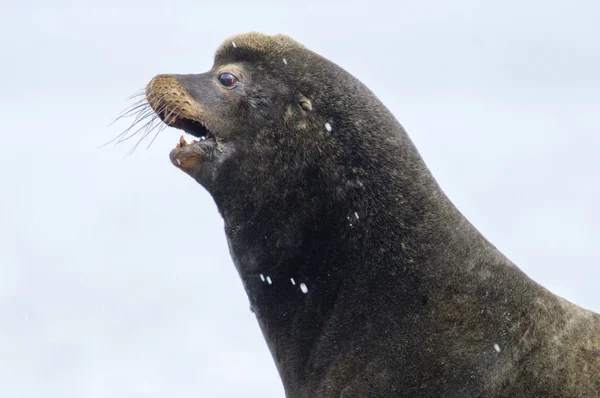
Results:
193 127
175 107
187 156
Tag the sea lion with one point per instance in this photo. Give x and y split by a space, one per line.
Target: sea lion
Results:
365 279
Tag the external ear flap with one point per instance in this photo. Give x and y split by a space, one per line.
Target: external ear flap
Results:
305 103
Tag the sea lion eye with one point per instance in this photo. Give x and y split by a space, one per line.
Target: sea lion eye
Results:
228 80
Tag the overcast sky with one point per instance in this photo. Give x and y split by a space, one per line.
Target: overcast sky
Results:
115 277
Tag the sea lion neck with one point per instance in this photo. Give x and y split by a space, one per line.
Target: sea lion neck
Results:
301 243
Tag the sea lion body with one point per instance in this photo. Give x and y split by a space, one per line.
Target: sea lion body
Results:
365 279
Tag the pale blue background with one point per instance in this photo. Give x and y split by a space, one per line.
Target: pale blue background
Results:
115 278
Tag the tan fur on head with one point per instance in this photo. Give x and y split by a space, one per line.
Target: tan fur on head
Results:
257 42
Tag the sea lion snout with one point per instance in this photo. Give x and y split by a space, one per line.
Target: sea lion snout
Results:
168 96
170 100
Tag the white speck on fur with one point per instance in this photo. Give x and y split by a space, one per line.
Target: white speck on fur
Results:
179 162
356 215
293 281
233 44
285 61
269 281
328 127
496 347
262 277
303 288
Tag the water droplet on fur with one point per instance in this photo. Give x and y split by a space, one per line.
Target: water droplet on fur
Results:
293 281
262 277
356 215
303 288
233 44
496 347
285 61
269 281
328 127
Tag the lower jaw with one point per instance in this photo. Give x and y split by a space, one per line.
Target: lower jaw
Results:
187 156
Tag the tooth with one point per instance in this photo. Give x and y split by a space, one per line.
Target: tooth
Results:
183 142
178 162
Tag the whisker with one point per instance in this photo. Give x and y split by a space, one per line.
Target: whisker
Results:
145 118
161 128
170 113
148 130
138 94
146 114
164 125
138 130
132 150
140 101
130 111
141 116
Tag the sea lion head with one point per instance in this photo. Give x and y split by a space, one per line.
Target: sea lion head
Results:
271 110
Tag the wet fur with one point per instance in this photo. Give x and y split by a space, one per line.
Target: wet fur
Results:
405 297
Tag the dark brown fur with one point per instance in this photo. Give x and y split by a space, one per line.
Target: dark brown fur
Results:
405 297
